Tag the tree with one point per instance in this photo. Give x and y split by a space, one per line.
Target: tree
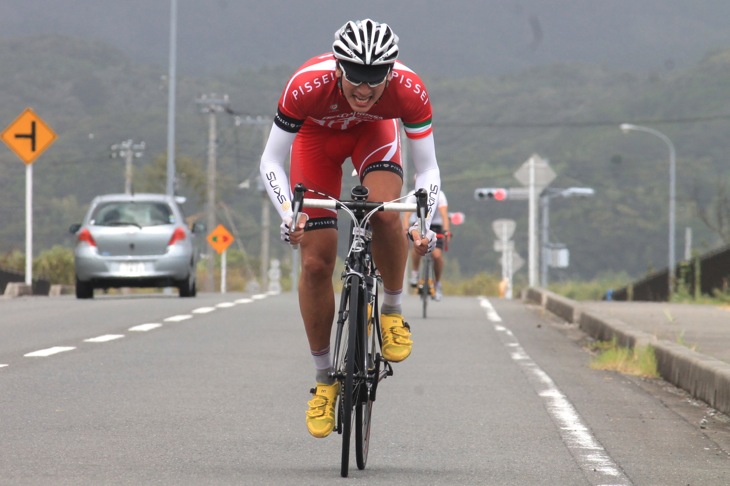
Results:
716 215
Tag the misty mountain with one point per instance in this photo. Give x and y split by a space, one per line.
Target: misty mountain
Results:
451 39
95 95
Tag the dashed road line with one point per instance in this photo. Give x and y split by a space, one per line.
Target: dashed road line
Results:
491 313
145 327
203 310
42 353
105 338
590 455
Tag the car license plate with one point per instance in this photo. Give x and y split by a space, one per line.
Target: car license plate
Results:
131 268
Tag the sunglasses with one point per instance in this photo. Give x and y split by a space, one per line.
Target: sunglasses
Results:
357 82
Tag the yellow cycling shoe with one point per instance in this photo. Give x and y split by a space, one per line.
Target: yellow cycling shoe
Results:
321 413
397 342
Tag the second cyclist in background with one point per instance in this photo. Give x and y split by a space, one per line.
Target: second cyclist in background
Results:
440 224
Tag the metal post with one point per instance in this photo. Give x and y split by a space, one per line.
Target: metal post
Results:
29 224
171 100
534 258
545 244
210 215
265 240
128 170
265 205
224 275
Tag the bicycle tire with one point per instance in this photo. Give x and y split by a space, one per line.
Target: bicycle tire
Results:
350 389
370 372
425 289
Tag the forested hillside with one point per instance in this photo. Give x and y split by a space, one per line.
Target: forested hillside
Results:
485 127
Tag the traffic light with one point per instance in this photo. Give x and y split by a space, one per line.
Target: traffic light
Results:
496 193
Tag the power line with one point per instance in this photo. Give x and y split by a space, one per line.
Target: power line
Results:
583 124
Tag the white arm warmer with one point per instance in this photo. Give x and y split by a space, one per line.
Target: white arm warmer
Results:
273 171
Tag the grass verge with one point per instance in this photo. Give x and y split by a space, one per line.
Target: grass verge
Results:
640 361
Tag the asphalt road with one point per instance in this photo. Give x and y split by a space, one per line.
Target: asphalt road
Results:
212 390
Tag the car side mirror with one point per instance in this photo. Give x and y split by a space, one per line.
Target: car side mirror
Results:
74 228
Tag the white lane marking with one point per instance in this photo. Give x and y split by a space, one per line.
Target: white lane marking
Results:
491 313
203 310
42 353
105 338
145 327
590 455
3 365
140 328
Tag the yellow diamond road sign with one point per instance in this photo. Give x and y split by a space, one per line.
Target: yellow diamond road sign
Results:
220 238
28 136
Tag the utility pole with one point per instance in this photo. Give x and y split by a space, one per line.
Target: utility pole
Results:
212 104
129 150
172 81
265 124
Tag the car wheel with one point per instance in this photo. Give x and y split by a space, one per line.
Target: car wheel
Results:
84 290
187 287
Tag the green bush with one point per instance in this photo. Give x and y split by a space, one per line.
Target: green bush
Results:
56 264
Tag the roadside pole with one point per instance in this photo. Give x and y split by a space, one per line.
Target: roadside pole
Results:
28 136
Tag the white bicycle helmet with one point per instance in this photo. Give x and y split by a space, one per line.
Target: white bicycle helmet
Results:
366 42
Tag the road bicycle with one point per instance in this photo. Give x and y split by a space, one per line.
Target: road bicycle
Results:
426 287
357 359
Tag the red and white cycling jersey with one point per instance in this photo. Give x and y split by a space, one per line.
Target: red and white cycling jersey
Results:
316 127
312 95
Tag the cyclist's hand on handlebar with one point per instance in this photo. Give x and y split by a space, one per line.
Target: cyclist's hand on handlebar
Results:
422 245
293 237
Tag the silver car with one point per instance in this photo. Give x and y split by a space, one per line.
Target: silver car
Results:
135 240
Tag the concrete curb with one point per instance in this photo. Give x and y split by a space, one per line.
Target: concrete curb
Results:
17 289
702 376
58 289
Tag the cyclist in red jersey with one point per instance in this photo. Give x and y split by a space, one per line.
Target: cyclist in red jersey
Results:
339 105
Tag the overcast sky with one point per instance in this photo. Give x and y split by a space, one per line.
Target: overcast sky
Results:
438 37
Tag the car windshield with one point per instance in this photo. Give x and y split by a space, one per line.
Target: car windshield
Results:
128 213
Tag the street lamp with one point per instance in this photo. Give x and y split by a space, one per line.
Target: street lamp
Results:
626 127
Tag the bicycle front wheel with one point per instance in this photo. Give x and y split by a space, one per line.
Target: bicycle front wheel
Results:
351 365
369 337
425 287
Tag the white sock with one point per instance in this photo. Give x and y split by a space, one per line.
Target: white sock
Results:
323 365
392 301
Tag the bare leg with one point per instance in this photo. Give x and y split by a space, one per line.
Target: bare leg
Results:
415 260
316 293
390 245
438 263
